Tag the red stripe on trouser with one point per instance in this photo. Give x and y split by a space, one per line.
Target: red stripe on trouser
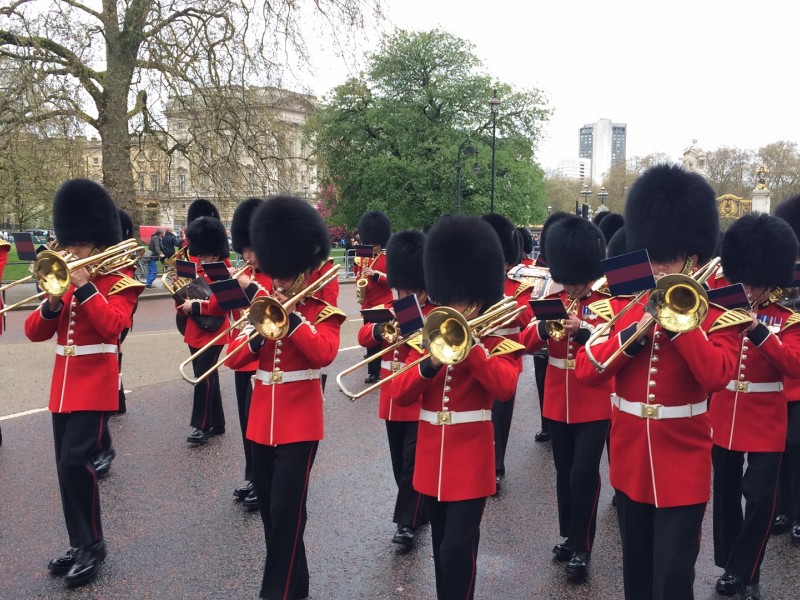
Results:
297 531
767 533
96 491
415 518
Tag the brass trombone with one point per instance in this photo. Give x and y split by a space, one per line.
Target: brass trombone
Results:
52 270
269 319
447 336
678 303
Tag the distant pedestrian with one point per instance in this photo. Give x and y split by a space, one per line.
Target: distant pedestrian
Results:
169 243
156 253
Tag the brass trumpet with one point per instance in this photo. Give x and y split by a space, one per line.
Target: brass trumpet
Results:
52 270
268 317
678 303
557 329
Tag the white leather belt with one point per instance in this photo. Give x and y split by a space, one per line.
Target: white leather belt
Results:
749 387
73 350
275 377
507 330
392 365
659 411
561 363
450 417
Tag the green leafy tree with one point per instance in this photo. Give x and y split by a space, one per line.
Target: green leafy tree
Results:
389 138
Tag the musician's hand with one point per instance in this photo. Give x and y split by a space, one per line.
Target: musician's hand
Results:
367 272
79 277
53 303
436 364
279 297
244 280
572 324
645 330
186 307
754 323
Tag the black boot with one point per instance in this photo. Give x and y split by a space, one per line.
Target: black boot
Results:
87 561
728 584
577 565
62 564
751 591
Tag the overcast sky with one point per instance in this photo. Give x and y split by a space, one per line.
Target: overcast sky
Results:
723 72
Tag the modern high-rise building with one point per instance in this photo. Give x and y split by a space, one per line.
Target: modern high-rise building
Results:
604 143
575 168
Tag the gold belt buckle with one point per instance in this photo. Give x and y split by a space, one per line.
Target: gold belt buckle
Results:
569 363
396 364
650 411
743 386
69 350
443 417
276 377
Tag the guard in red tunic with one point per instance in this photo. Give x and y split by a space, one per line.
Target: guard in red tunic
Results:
749 416
87 321
579 414
612 223
406 275
208 242
660 428
503 411
527 246
374 229
240 239
285 423
454 470
788 509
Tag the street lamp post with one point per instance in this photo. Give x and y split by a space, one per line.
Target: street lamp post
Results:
603 195
586 193
493 103
468 149
549 209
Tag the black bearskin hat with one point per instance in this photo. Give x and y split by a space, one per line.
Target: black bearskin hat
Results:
84 212
201 208
672 213
617 244
510 238
598 217
240 225
126 224
789 211
207 237
610 224
759 250
374 228
551 220
463 262
527 240
289 237
404 261
575 248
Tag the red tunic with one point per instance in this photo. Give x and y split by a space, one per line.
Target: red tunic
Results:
664 462
521 292
4 248
388 407
456 462
566 399
265 282
329 293
292 411
377 292
93 315
196 336
757 421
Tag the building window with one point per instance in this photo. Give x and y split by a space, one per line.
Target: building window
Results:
153 182
140 182
95 161
181 183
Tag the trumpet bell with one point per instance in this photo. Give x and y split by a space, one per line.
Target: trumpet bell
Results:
679 303
52 273
446 335
269 318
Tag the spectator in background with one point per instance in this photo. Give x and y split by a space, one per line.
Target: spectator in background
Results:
169 243
156 253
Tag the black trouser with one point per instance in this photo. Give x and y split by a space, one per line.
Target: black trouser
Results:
502 413
659 549
77 437
455 532
207 405
408 508
280 475
740 541
539 373
244 391
577 449
374 366
789 494
105 443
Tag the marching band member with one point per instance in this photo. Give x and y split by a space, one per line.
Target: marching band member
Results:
660 429
208 242
240 238
749 416
612 223
579 414
285 423
406 275
788 509
527 246
503 411
374 229
454 470
87 321
4 248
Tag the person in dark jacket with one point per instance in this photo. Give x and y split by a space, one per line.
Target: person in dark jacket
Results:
169 243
